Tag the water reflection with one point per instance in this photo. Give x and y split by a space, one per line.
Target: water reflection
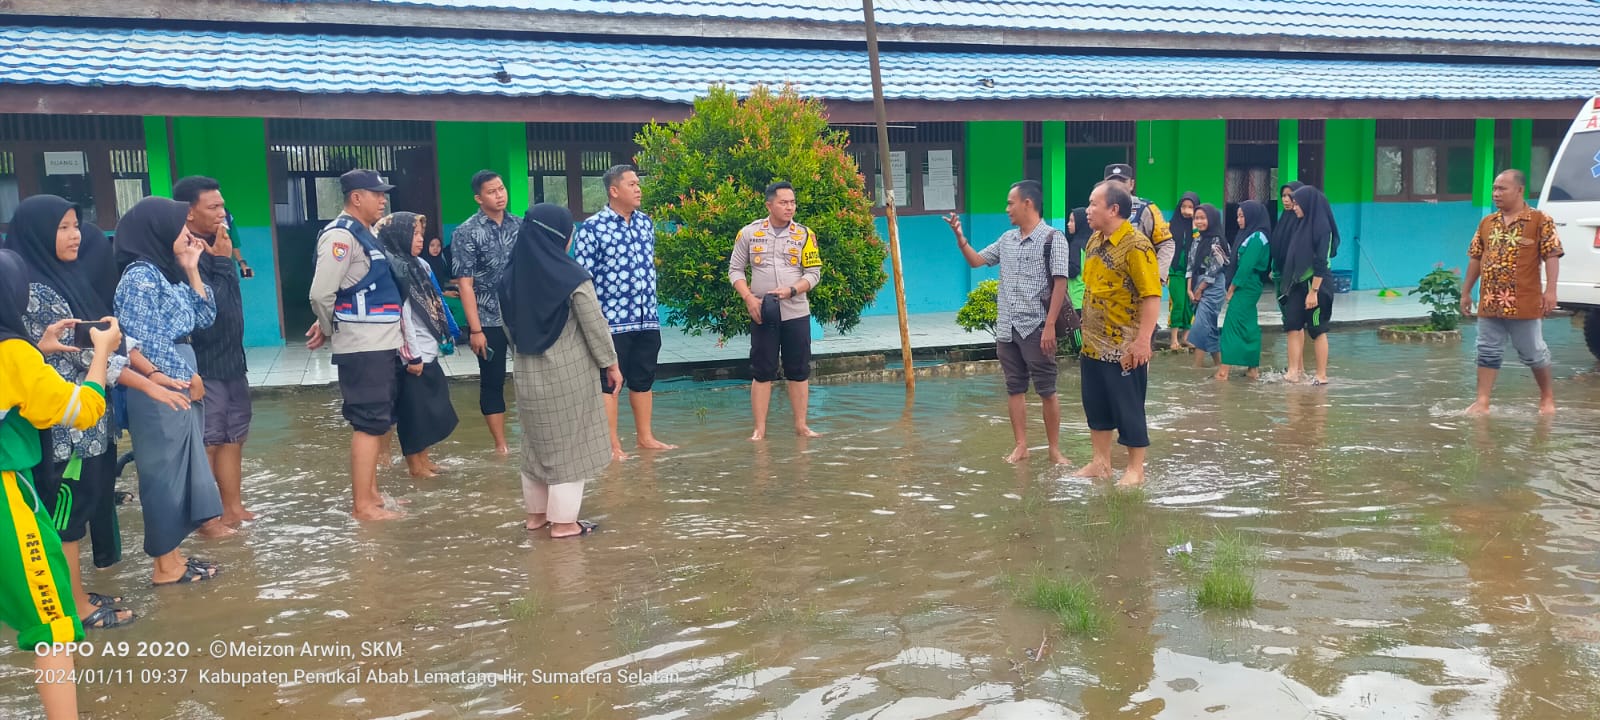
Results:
1413 563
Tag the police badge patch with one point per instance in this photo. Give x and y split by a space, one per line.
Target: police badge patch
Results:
340 250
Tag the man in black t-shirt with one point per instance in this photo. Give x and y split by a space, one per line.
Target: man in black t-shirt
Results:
219 349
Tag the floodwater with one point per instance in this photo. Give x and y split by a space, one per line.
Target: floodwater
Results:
1411 563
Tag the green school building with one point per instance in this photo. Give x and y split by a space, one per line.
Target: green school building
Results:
1402 114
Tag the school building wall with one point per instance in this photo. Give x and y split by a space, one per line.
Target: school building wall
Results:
1384 243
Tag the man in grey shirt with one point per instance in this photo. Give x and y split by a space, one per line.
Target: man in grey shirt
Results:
1032 294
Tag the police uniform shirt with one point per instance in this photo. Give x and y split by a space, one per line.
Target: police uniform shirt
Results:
769 259
341 263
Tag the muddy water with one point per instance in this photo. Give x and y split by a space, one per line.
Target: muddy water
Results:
1413 563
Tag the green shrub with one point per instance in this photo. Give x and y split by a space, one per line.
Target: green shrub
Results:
981 311
1441 292
705 180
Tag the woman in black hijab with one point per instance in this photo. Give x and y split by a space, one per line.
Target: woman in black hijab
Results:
46 234
1180 314
560 339
1210 269
160 301
1304 286
423 411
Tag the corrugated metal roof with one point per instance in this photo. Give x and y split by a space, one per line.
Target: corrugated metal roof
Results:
1544 22
218 61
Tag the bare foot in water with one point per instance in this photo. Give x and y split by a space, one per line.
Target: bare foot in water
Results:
1222 374
375 513
1132 477
1253 373
1059 459
617 455
215 528
1294 378
759 434
1478 409
1547 407
235 518
502 450
1018 454
654 444
1094 470
806 431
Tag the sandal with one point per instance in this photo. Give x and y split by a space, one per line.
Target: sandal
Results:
106 617
101 601
194 571
586 528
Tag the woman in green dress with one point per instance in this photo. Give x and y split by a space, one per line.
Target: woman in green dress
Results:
1180 316
1241 331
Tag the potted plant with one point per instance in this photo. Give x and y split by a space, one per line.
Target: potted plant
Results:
1440 290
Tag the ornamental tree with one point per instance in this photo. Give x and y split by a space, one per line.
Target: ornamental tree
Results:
705 180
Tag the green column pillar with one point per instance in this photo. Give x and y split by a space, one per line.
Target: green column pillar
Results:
465 148
1055 173
234 151
1202 163
1155 161
1522 151
1288 151
158 155
995 155
1483 171
1348 179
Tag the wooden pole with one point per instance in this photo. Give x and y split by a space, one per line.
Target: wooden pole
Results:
885 168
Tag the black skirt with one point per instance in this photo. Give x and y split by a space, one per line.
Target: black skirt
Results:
423 411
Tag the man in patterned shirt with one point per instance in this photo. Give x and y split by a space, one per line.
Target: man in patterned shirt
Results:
1507 252
618 247
481 248
1029 301
1122 292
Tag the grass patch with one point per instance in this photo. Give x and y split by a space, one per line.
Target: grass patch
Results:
792 615
525 608
1075 603
1439 543
633 622
1229 581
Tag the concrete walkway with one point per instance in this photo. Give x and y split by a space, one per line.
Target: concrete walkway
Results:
292 365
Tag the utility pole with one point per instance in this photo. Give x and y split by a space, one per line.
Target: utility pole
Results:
889 199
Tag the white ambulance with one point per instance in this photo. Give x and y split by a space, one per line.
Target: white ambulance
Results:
1572 198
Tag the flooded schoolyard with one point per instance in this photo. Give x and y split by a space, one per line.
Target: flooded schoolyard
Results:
1408 562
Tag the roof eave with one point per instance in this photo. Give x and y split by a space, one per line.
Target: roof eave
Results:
234 12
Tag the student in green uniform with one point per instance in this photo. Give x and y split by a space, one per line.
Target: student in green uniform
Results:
1241 329
35 587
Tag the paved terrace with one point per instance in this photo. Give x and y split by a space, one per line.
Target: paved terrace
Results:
292 365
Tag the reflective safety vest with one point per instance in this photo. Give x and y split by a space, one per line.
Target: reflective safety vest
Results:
375 298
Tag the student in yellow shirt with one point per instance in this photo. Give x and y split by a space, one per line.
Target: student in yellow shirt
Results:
36 597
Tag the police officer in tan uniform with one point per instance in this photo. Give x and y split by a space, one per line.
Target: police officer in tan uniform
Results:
774 264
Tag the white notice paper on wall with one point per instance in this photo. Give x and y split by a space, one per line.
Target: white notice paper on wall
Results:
941 168
897 165
938 198
65 163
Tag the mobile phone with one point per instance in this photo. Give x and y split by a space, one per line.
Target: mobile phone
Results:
80 333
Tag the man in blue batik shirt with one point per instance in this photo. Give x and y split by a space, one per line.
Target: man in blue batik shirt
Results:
618 247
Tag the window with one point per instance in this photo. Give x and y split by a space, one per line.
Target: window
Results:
1424 160
566 162
94 161
926 164
1547 137
1577 178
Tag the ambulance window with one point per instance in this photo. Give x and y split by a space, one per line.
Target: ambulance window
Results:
1577 177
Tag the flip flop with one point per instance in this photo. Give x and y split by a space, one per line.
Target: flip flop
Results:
536 529
101 601
105 617
587 528
194 571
